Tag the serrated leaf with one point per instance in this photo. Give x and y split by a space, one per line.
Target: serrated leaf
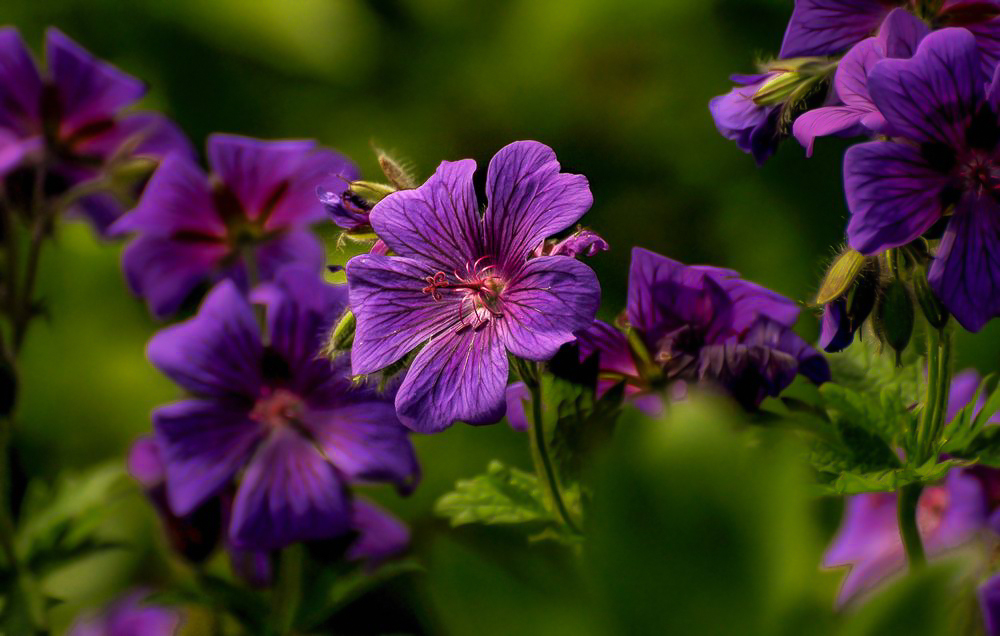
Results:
854 483
864 370
500 496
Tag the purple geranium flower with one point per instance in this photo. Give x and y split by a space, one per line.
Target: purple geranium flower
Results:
705 324
943 163
72 120
250 217
739 118
129 616
288 425
346 209
898 37
463 284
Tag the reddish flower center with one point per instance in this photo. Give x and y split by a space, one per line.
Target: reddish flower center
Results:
480 289
979 173
277 408
931 509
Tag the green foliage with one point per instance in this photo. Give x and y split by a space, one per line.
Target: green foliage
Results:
967 435
502 495
577 422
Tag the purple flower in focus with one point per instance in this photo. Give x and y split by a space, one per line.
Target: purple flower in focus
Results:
705 324
943 164
463 285
286 424
128 616
836 329
580 243
739 118
72 118
346 209
898 37
251 216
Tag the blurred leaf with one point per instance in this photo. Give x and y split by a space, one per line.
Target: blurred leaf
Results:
864 370
501 495
208 590
961 431
918 605
853 483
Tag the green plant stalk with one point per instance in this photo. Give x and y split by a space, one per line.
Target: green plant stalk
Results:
909 532
546 472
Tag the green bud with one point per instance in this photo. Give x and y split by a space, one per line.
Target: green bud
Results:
840 277
930 304
894 316
341 337
778 89
370 191
395 172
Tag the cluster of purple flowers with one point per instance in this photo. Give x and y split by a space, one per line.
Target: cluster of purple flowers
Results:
918 77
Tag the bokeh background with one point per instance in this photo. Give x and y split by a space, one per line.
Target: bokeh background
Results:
619 88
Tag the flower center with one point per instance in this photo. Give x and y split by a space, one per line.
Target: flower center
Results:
277 408
979 173
931 509
480 290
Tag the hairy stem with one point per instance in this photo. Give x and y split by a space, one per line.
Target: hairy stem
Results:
909 532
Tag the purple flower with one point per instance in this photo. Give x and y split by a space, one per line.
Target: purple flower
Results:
739 118
346 209
580 243
898 37
943 164
74 115
836 330
250 216
286 424
989 604
463 285
948 515
129 616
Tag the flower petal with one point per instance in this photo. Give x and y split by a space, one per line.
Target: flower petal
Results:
932 96
552 297
835 332
516 396
901 33
149 135
164 272
217 352
821 122
989 604
299 247
966 270
202 444
380 535
289 493
529 200
20 84
300 205
393 314
893 193
90 90
825 27
457 376
437 223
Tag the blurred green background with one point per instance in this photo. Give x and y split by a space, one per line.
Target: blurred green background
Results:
619 88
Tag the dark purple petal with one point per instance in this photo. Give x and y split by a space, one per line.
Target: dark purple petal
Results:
288 493
517 394
551 298
203 444
989 605
610 344
299 205
347 211
965 274
217 352
821 122
581 243
988 39
901 33
932 96
457 376
739 118
15 150
750 300
380 535
164 271
767 333
836 333
293 247
89 89
437 223
393 314
20 85
826 27
529 200
749 373
893 194
144 463
366 442
148 135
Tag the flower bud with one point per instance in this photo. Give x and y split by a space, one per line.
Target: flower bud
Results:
370 191
342 336
894 316
934 311
778 89
841 276
393 169
862 299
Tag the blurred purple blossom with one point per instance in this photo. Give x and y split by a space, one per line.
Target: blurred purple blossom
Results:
128 616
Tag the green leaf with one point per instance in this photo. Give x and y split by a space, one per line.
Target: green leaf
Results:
864 370
577 422
853 483
500 496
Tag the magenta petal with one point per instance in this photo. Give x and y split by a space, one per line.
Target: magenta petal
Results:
217 352
963 388
380 535
516 396
901 33
165 271
825 27
20 84
966 270
529 200
89 89
893 194
551 298
14 150
366 442
144 463
202 444
610 344
288 493
393 315
177 200
821 122
437 223
457 376
851 79
932 96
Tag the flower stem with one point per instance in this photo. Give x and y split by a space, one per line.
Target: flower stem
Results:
909 532
539 448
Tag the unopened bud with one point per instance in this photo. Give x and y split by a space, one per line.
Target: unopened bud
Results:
930 304
841 276
394 170
894 316
342 336
370 191
777 89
